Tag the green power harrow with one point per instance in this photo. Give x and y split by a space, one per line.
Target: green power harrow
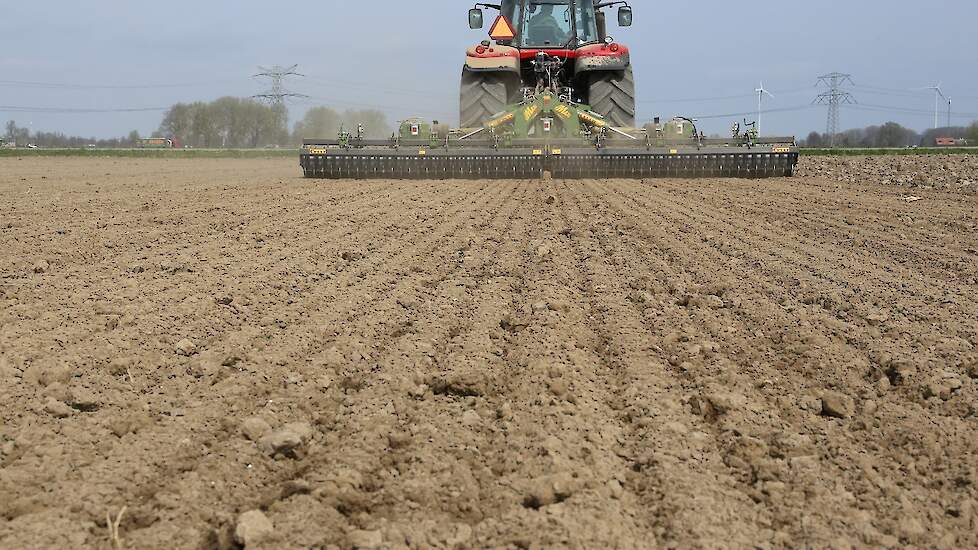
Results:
547 133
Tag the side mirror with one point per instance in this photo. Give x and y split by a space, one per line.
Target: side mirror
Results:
475 19
625 16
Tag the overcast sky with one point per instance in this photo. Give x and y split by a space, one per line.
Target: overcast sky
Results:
405 58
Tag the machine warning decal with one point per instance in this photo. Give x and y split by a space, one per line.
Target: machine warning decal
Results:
562 111
530 112
781 150
319 151
502 30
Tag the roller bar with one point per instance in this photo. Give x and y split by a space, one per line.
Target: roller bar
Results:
534 164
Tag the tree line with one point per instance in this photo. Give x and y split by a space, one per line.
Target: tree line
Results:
231 122
892 135
227 122
23 136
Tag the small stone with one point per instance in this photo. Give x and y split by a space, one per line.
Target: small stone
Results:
547 490
615 489
136 268
57 409
351 256
365 540
254 427
972 368
333 358
641 297
543 250
119 366
42 267
722 402
112 322
399 440
551 199
83 399
883 385
837 405
900 372
537 307
286 441
712 302
504 411
937 388
558 387
185 347
910 528
125 424
303 429
471 418
224 299
870 407
253 527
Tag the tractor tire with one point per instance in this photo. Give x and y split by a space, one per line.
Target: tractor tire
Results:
482 95
612 95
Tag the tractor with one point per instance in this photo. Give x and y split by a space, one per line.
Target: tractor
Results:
596 70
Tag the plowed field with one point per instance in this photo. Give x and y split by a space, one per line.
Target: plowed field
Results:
787 363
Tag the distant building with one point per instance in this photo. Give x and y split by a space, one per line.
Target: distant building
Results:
946 142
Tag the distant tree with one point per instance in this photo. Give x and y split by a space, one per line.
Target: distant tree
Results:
374 122
814 139
318 123
229 120
892 134
264 125
226 122
177 123
973 134
203 130
133 138
11 129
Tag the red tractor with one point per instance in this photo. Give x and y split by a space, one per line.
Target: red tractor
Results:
595 70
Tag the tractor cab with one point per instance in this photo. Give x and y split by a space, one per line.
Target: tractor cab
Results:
550 24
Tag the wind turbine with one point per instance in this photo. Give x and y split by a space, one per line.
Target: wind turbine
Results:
760 98
938 94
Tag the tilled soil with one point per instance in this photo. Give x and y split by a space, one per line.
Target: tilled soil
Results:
234 355
954 172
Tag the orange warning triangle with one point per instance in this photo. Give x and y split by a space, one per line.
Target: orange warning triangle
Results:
502 30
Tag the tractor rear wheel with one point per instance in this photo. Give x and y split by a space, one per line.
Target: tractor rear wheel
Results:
612 94
482 95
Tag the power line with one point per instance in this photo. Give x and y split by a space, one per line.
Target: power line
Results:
384 108
65 110
906 110
746 113
834 97
719 98
71 86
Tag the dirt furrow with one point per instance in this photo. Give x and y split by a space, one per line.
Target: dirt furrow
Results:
513 364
